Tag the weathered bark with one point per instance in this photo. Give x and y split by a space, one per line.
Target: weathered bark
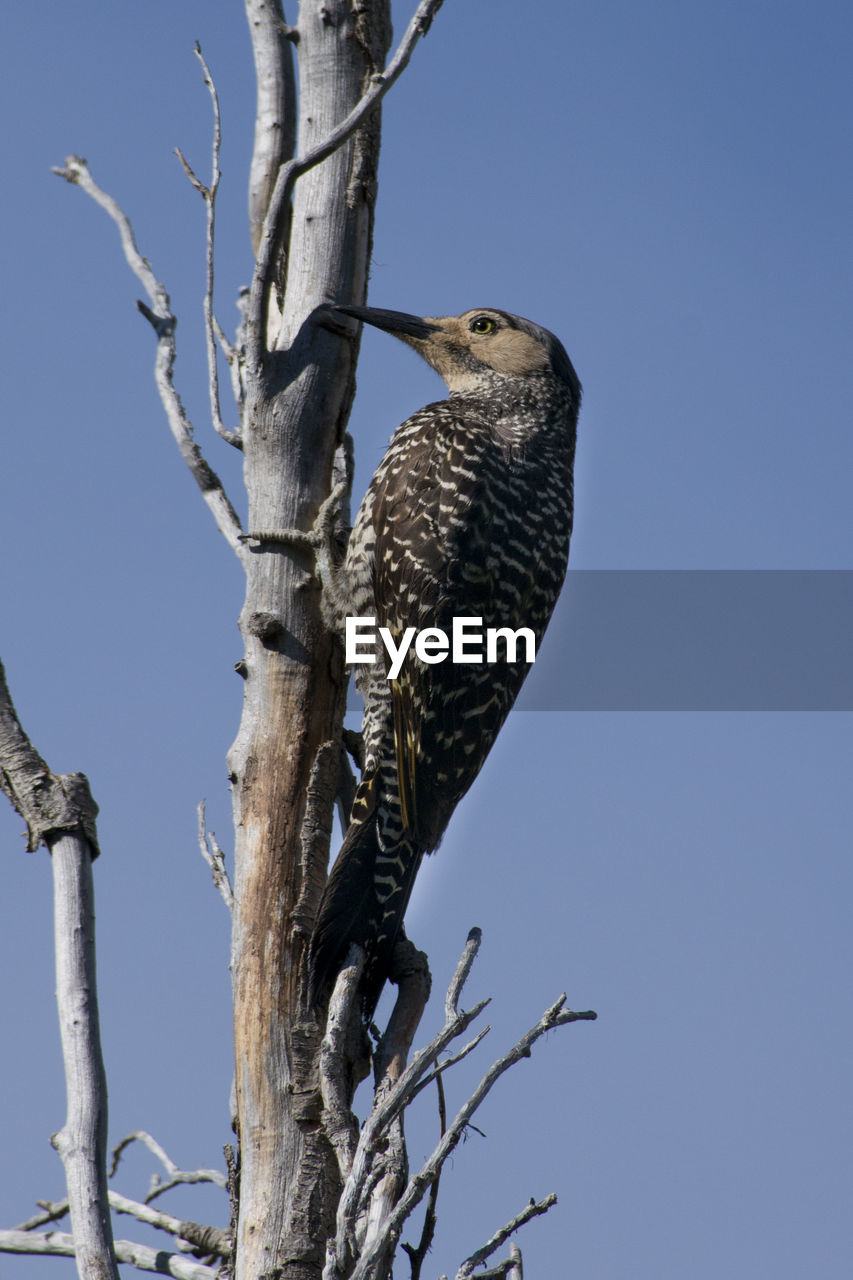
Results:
298 396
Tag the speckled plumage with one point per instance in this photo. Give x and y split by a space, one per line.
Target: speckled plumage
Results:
469 514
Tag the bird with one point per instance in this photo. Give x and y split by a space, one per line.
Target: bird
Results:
468 515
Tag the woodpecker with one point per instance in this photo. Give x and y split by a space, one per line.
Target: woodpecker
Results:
469 515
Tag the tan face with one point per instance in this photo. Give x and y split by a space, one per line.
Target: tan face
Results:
485 335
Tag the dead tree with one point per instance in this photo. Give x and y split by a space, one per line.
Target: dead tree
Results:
312 1194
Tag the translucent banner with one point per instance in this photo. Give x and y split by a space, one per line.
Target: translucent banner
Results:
697 640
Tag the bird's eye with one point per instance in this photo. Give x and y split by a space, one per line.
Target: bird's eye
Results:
482 324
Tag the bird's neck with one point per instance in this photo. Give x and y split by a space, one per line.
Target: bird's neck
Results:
514 409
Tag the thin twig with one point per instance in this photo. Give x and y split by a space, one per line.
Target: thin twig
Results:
160 316
293 169
51 1211
440 1067
61 1244
208 194
176 1176
531 1210
419 1253
222 339
215 858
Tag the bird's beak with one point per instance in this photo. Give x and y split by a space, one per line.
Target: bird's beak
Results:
396 322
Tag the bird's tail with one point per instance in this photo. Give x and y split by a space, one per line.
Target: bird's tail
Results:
364 902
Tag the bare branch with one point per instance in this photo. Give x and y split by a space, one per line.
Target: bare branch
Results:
463 968
531 1210
82 1140
205 1240
195 180
441 1067
509 1269
61 1244
227 348
420 1183
160 316
293 169
176 1176
208 194
76 172
50 1212
215 858
60 812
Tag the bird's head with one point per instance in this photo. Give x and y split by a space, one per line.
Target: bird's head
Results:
479 347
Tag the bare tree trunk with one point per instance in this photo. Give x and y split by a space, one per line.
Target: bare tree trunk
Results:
299 387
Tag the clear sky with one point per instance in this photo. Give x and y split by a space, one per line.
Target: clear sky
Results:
668 187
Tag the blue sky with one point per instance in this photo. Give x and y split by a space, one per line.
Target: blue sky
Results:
667 187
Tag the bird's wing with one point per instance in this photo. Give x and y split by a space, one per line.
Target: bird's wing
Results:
435 558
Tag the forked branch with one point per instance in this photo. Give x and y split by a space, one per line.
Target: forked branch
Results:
363 1257
175 1176
418 1185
